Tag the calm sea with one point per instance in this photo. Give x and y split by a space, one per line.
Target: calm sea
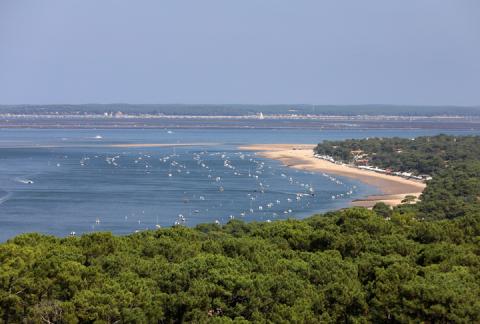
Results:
62 181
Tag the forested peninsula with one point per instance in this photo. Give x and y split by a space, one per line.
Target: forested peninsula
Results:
411 263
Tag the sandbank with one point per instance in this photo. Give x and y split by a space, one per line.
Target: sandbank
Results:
160 144
300 156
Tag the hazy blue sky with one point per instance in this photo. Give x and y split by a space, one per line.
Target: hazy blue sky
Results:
244 51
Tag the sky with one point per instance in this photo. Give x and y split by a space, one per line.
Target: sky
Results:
418 52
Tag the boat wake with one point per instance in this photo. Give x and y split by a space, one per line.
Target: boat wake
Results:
25 181
4 196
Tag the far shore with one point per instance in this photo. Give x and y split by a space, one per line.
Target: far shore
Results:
300 156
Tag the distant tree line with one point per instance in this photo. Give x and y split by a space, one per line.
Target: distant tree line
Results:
427 154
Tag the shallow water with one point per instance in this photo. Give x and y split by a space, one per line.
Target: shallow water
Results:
62 181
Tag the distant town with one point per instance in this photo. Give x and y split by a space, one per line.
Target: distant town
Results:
257 116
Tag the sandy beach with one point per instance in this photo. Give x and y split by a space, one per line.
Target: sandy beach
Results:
300 156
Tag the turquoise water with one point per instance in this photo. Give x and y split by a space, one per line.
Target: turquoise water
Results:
63 181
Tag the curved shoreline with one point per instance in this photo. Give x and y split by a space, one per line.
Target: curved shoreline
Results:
300 156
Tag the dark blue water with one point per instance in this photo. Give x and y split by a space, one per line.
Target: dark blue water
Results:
63 181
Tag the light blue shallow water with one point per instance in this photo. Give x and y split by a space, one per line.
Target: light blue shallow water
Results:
59 181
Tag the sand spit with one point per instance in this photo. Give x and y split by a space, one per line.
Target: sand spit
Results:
300 156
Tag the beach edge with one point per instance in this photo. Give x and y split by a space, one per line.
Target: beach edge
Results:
393 188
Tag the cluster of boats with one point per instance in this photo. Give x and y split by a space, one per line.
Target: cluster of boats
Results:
214 174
